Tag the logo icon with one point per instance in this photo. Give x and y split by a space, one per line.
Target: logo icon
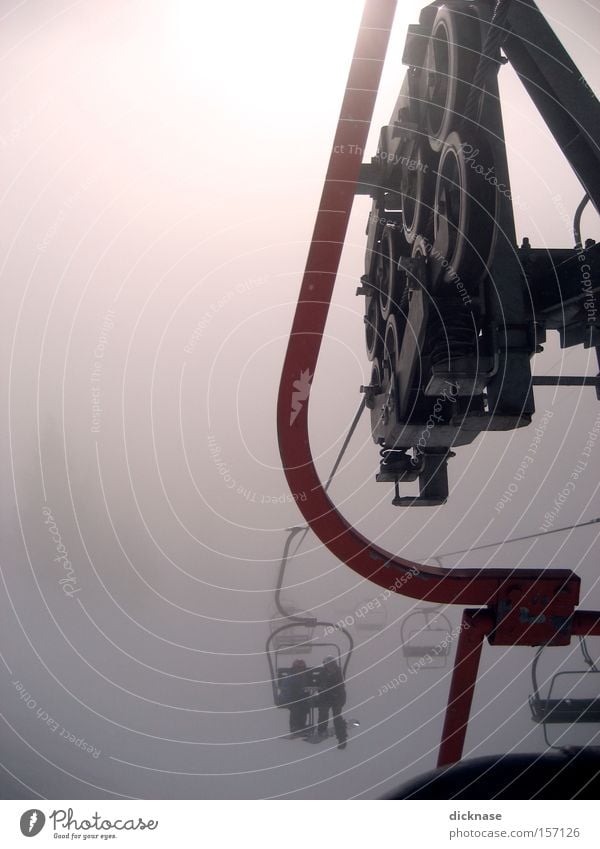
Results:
302 387
32 822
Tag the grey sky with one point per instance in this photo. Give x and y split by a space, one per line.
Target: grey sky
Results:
161 167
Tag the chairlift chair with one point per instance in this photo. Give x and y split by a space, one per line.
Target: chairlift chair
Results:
293 633
375 619
565 710
296 637
425 637
279 647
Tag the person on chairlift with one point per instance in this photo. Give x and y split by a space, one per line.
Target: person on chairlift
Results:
332 697
295 696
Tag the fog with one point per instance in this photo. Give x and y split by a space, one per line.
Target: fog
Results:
161 165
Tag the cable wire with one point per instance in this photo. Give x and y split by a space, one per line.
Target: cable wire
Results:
577 222
518 539
335 467
308 621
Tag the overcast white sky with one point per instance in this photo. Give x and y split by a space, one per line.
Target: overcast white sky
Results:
160 167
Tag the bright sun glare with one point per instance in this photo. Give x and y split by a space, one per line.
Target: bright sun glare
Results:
263 49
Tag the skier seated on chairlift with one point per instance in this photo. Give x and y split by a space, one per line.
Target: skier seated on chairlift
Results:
295 696
331 697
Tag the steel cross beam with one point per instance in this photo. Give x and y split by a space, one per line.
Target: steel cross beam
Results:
565 101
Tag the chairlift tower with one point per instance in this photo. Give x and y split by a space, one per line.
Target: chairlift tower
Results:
454 307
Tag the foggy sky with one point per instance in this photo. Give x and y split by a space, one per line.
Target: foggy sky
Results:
161 165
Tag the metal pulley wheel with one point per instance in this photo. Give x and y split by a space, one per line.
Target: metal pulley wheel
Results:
389 277
420 248
417 191
376 379
464 214
391 351
378 385
450 65
389 364
374 327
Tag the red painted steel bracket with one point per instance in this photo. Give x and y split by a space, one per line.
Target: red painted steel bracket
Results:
475 627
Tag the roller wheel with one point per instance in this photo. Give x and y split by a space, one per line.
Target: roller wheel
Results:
390 279
417 192
374 327
450 65
464 213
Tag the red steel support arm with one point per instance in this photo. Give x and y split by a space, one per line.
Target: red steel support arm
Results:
475 627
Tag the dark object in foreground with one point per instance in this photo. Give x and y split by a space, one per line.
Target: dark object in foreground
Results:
572 773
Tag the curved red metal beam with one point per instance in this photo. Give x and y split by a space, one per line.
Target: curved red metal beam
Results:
458 586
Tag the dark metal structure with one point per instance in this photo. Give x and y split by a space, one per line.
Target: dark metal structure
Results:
454 308
569 774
